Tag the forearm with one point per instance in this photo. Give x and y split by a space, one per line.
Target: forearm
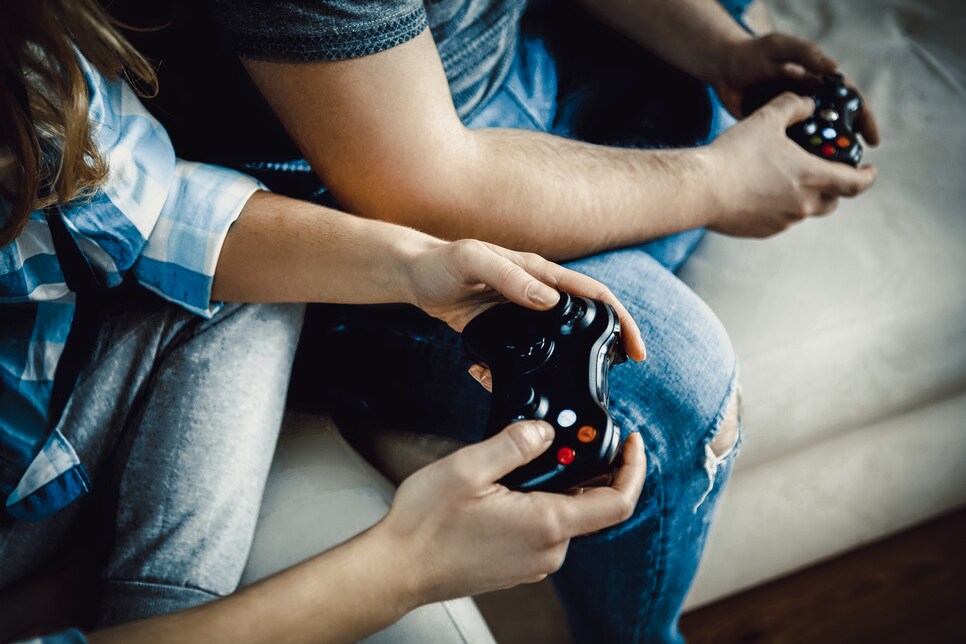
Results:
284 250
556 197
690 34
343 595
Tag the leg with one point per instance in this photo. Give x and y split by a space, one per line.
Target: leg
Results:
189 472
628 583
171 406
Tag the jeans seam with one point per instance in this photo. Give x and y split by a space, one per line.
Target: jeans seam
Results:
660 570
160 584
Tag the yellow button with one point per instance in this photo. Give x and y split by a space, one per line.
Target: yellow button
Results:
586 434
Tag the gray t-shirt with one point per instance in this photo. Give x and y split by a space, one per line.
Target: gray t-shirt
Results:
475 38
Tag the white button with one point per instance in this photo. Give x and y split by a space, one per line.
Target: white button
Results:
566 418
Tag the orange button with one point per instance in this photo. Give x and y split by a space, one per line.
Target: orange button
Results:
586 434
842 142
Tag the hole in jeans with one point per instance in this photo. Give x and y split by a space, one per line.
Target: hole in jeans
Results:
725 440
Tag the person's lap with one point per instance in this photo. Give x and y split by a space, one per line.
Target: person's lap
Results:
175 418
397 368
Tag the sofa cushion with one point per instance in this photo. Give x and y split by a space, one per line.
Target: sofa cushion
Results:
848 320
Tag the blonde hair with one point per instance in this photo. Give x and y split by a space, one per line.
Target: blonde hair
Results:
47 154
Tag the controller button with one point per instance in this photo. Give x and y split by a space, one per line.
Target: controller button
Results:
567 418
829 114
815 140
843 142
809 127
828 150
586 434
521 396
829 133
566 455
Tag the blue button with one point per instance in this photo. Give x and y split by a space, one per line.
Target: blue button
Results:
829 133
567 418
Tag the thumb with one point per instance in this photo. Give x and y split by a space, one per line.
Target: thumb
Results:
492 459
787 109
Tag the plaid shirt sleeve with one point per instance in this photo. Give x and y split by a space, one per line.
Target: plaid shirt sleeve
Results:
158 218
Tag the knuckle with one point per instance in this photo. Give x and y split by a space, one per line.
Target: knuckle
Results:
461 473
509 271
521 439
551 529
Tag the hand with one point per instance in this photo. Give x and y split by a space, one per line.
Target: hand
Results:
464 534
766 182
457 281
777 56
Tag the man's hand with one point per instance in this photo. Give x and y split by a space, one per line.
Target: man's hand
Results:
767 182
456 281
460 533
776 56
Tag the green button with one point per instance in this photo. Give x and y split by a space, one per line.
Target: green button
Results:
815 140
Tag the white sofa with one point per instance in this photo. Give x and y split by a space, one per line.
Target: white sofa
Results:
851 332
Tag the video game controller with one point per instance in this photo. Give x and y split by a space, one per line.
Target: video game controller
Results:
828 132
553 366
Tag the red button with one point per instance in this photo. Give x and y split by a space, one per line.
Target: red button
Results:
565 456
828 150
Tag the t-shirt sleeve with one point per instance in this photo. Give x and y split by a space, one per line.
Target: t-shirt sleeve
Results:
316 30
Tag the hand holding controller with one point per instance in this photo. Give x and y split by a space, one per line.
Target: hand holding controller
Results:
553 365
829 133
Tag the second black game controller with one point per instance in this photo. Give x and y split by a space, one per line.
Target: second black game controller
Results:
828 132
553 366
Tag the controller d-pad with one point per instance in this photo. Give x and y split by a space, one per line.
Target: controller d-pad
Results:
530 354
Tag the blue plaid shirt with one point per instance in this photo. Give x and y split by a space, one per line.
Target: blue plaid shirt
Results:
158 219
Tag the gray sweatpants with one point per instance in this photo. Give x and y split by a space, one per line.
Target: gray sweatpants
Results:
175 418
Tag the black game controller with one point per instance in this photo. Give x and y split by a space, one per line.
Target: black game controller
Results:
828 132
553 366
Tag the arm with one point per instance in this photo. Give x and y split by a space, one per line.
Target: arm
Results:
451 532
409 159
382 134
701 38
285 250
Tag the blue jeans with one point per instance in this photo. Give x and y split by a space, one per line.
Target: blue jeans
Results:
398 368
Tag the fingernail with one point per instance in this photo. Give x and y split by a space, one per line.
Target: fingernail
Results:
542 294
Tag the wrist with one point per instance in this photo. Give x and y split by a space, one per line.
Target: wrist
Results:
723 64
715 190
412 249
407 582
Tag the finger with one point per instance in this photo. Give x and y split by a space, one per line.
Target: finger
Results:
601 507
575 283
490 460
483 376
580 284
865 121
787 109
841 180
507 277
784 48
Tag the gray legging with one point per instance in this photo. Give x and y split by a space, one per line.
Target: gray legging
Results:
176 418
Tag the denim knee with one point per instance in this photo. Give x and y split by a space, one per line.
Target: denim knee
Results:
681 396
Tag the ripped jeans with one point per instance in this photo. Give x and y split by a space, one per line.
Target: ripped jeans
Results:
398 368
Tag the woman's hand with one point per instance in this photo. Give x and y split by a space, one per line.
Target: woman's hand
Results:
457 281
777 56
457 532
